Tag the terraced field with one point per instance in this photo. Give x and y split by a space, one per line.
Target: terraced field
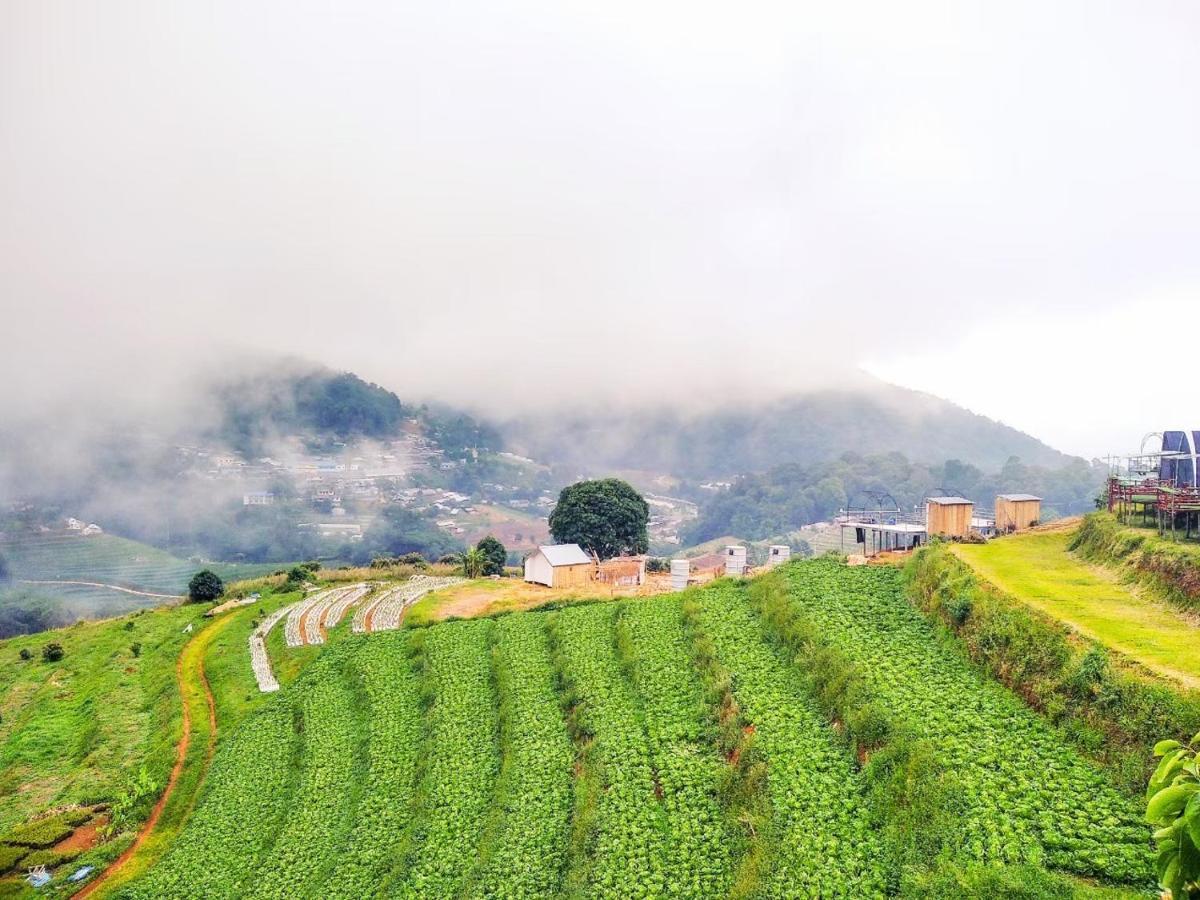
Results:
584 752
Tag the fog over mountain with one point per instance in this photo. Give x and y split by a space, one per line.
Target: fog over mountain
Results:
511 208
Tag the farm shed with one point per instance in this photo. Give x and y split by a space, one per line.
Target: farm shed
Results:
1017 511
623 571
778 554
948 516
559 565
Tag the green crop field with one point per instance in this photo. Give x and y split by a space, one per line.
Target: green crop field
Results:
108 559
1037 569
590 751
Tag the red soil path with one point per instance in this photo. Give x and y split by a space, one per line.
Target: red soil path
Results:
180 756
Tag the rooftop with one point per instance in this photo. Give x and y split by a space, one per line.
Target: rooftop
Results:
1018 498
951 501
564 554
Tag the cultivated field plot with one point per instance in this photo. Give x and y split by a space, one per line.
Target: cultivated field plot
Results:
1028 795
576 753
110 559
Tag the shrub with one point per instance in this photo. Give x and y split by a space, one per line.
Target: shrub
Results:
657 565
26 653
205 587
495 555
53 652
136 649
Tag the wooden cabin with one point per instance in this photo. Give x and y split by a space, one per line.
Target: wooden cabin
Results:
1016 512
559 566
948 516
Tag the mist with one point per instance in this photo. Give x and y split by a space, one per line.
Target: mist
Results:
511 207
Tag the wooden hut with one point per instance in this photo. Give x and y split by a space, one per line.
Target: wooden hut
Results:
559 565
948 516
622 571
1015 512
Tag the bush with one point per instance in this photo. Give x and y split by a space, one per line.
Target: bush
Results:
205 587
25 654
53 652
136 649
495 555
657 565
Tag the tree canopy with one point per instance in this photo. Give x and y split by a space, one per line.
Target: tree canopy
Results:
205 587
605 516
495 553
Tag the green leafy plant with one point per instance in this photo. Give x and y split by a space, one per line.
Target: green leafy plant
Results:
1173 804
474 562
53 652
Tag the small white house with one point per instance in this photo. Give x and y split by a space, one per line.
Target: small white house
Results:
91 529
258 498
559 565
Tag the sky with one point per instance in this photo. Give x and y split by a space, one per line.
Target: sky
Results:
521 203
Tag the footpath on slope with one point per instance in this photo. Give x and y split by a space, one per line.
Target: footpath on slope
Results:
1037 569
198 645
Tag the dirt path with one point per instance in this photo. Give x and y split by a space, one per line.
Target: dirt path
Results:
181 751
111 587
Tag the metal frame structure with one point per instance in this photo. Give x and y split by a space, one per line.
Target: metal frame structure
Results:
1135 485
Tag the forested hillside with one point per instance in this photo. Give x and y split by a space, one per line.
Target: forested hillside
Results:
784 498
721 440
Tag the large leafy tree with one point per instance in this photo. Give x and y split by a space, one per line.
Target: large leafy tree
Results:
205 587
605 516
496 555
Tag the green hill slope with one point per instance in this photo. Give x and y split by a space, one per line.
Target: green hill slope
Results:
672 746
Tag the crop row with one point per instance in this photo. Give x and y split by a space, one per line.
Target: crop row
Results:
621 852
395 722
681 732
321 812
524 851
247 791
462 759
1028 796
820 842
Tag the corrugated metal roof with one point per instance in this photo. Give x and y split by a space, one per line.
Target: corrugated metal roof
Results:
565 554
1018 498
951 501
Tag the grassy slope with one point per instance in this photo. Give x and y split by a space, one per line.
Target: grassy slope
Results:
1037 569
73 729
